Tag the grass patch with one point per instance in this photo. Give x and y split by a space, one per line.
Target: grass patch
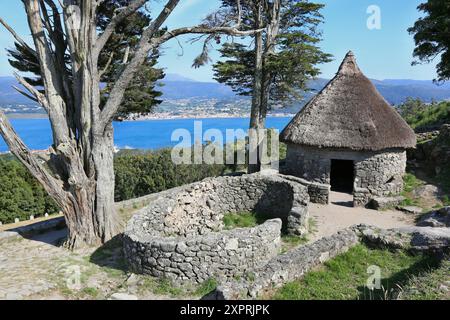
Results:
345 276
206 287
430 285
410 183
90 292
239 220
164 287
243 220
289 242
159 287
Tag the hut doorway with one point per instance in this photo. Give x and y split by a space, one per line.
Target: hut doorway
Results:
342 175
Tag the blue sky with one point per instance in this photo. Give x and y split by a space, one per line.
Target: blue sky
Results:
382 54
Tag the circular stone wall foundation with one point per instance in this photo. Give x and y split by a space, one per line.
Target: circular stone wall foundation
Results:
180 235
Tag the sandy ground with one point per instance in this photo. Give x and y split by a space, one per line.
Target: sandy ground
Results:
340 214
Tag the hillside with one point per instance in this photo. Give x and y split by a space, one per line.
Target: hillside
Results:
176 87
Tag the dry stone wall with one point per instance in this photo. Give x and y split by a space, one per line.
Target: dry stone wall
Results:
287 267
180 235
377 174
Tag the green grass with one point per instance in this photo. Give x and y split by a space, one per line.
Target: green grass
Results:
428 285
345 276
92 293
206 287
164 287
289 242
427 115
410 182
242 220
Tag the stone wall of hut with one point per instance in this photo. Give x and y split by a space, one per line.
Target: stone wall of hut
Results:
377 174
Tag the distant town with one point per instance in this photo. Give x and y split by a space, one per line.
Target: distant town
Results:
188 108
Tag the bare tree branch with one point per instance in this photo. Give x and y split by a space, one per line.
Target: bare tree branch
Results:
52 82
146 44
39 97
26 94
108 63
231 31
17 37
52 185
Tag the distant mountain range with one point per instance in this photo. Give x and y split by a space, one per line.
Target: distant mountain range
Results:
177 87
395 91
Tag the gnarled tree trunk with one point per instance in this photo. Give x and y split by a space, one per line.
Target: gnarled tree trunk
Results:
91 216
80 175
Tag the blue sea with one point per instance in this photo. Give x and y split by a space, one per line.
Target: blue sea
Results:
149 134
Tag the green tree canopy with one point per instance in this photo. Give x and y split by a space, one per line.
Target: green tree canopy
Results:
432 36
293 62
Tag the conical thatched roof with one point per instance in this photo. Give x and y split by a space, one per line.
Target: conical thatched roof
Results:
349 113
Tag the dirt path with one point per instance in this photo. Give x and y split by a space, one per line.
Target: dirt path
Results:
29 267
340 214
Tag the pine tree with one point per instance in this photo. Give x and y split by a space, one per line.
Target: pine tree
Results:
292 64
276 67
432 36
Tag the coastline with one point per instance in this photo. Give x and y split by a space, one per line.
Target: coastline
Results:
27 115
161 116
204 116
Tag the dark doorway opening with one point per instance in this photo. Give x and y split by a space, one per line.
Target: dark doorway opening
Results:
342 175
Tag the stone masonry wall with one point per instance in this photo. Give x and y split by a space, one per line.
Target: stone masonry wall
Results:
287 267
180 234
376 173
379 175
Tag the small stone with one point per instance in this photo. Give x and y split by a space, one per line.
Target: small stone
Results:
13 296
123 296
444 288
381 203
232 244
181 247
427 191
16 220
410 209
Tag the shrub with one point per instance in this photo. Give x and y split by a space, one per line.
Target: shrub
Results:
422 116
142 173
20 194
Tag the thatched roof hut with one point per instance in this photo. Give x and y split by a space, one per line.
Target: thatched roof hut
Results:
349 113
349 138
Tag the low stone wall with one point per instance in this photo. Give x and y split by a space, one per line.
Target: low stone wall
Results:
380 175
287 267
180 234
318 192
297 262
215 254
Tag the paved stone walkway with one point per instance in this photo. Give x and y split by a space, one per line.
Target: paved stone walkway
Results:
29 267
340 214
